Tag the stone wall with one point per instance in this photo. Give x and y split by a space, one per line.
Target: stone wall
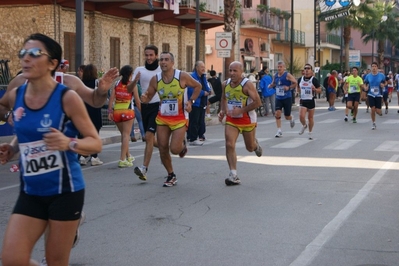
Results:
19 21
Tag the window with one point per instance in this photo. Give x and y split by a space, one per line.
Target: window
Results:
263 2
165 47
69 49
247 3
189 58
115 53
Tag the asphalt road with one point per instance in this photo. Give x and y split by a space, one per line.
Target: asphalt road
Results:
328 201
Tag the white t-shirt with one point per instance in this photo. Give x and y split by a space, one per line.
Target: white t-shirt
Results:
145 77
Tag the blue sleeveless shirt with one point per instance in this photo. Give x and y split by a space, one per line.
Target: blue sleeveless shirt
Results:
45 172
281 94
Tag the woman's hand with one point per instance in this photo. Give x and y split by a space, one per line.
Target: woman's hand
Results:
6 153
56 140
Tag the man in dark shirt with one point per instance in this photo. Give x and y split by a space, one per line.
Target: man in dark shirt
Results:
217 89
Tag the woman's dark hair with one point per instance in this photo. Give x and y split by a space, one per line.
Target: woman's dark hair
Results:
89 72
125 72
53 48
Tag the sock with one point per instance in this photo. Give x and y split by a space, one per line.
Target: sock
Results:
233 172
171 174
145 167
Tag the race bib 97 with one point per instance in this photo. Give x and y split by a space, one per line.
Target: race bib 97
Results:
231 105
169 107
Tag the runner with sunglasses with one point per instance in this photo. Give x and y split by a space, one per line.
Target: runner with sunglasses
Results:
52 185
95 98
308 87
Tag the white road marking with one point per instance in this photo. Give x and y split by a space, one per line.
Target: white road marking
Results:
342 144
388 145
313 248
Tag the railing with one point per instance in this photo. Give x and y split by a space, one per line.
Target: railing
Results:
332 38
211 6
299 36
262 19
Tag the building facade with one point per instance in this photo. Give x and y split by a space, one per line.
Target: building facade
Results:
115 33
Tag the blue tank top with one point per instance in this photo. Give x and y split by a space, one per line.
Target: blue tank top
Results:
281 94
374 82
45 172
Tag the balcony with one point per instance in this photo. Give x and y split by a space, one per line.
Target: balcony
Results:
210 15
209 6
266 22
285 37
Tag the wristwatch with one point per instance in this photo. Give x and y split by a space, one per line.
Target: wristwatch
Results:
192 101
73 144
7 115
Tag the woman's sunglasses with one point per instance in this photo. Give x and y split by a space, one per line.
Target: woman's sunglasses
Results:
33 52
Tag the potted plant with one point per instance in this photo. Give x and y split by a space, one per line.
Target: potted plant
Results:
263 8
253 20
286 15
202 6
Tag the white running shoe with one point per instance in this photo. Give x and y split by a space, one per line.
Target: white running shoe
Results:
141 172
303 129
374 126
96 161
83 160
292 122
279 134
196 143
232 180
258 150
310 136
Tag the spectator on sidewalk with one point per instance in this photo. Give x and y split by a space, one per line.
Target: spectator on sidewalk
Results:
269 94
90 79
196 126
217 90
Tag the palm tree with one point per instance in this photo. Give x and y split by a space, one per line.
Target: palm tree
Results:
351 21
230 18
382 26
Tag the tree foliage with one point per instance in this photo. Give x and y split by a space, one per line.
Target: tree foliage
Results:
376 28
353 20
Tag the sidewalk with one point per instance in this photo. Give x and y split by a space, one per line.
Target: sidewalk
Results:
110 134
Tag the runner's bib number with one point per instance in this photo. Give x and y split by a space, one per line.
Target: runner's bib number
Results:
280 91
37 160
169 107
352 89
375 90
231 105
306 93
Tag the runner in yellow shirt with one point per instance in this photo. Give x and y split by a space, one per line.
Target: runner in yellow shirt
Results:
352 87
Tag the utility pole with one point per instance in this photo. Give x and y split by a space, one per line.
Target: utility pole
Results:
197 31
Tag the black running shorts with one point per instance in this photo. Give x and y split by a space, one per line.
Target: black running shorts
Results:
62 207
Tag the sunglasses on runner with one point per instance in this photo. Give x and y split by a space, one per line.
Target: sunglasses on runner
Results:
306 68
33 52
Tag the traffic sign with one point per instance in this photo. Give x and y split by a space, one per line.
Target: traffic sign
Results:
223 40
223 53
